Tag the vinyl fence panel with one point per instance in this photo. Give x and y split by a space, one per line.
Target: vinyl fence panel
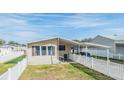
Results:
103 53
11 56
108 68
14 72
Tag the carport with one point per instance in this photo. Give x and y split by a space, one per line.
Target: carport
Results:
119 47
85 47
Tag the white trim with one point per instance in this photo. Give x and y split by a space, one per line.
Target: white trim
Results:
47 54
119 42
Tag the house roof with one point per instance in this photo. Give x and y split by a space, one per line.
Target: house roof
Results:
116 39
5 46
72 42
9 46
120 38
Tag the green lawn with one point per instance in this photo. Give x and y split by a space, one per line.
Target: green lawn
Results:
111 59
4 66
73 71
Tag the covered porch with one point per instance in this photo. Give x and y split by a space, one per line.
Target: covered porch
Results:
67 47
119 47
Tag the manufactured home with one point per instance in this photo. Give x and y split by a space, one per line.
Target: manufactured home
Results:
53 50
5 50
9 49
116 44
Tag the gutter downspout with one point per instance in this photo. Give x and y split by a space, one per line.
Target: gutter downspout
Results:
86 52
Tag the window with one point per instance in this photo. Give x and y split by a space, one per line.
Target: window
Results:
35 50
43 50
61 47
51 50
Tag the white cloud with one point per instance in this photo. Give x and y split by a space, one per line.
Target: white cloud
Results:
77 20
115 30
114 33
83 20
11 22
25 34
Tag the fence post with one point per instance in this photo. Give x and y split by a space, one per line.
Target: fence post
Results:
92 62
9 74
26 60
122 73
18 68
108 66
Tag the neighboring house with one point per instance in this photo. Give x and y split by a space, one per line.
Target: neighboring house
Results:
50 51
116 45
19 48
8 49
5 50
7 53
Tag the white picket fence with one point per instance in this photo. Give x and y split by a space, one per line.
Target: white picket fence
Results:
15 72
8 57
108 68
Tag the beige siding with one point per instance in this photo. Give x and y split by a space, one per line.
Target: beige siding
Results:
45 59
67 48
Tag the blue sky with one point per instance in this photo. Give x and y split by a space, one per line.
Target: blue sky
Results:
29 27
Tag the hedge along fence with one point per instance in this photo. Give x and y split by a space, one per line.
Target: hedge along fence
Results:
15 72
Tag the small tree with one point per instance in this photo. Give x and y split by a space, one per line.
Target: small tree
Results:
86 40
13 43
23 45
77 40
2 41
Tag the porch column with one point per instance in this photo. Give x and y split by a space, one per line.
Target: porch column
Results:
96 53
107 54
58 49
79 49
51 54
86 52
